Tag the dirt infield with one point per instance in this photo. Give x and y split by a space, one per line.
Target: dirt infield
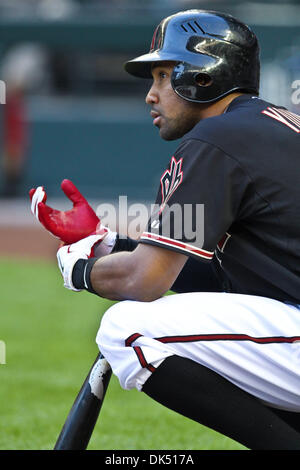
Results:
27 242
21 236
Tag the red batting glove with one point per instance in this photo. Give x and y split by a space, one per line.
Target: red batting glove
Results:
70 226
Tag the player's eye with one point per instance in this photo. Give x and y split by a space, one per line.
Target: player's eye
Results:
159 73
162 74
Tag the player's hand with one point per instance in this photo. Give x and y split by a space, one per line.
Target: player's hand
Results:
69 226
68 255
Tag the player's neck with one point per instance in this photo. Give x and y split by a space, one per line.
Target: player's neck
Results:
219 107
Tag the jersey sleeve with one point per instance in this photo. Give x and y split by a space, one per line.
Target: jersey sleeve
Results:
200 195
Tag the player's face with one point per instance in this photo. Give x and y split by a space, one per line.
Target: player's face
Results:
173 115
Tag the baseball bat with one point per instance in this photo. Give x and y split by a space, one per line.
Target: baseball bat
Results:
82 418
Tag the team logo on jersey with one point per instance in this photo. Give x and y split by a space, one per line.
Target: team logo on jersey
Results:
288 118
170 181
223 241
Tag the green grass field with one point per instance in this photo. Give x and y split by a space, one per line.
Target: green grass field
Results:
49 333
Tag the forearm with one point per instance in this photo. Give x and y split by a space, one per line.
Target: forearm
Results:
144 274
111 277
196 276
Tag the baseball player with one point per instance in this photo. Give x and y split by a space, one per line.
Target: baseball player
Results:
224 236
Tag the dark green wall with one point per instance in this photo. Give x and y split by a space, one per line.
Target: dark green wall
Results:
104 157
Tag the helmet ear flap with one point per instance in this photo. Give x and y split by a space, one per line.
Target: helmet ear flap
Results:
203 79
192 84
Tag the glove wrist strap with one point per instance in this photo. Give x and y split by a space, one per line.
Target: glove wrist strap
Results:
81 274
124 244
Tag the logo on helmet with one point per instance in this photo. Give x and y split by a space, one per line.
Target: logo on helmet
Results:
156 40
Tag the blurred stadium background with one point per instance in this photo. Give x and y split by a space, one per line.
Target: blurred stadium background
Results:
85 118
72 112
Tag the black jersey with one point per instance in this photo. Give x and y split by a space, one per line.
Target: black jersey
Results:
231 196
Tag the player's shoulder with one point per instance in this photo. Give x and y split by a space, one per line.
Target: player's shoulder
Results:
242 117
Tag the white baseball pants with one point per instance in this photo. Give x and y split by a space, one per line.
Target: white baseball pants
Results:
254 342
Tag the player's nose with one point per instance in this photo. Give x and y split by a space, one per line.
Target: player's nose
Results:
152 96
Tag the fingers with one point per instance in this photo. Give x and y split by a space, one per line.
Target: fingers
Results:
71 191
31 193
44 213
51 219
37 195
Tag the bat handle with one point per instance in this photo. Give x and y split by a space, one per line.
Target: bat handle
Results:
81 420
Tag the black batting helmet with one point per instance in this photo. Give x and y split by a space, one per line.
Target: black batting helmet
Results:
215 54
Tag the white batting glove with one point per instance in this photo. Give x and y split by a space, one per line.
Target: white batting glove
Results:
68 255
106 246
